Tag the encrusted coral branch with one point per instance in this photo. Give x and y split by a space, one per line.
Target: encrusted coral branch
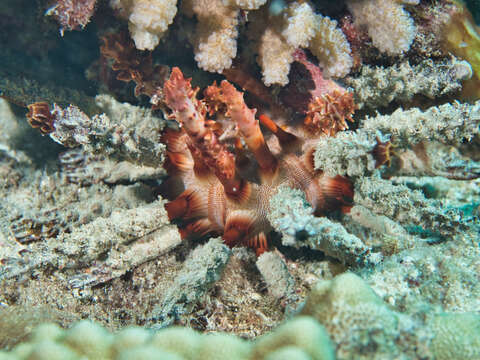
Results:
378 86
448 123
293 217
348 153
358 153
127 133
207 263
408 207
147 224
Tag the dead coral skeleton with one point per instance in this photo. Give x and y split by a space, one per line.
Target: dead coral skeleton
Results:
245 174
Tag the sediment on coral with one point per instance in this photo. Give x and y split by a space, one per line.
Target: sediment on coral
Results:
408 142
378 86
447 123
144 229
292 216
321 202
336 314
384 234
348 153
207 263
128 133
409 207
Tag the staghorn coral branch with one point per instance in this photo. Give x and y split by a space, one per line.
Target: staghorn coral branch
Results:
403 82
190 113
132 137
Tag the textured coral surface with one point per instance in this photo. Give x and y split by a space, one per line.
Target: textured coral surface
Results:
276 179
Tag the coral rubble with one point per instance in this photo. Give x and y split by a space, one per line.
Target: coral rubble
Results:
251 179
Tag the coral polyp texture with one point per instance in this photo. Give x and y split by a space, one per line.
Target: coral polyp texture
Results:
229 193
241 179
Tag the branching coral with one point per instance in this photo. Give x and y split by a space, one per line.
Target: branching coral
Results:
227 193
298 26
147 229
216 39
293 217
147 20
207 263
326 187
378 86
388 24
133 136
448 123
412 132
